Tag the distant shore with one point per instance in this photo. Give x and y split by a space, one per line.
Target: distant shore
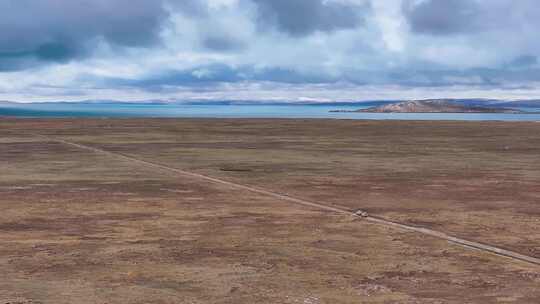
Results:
437 106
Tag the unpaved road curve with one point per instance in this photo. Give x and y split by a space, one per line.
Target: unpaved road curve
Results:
512 255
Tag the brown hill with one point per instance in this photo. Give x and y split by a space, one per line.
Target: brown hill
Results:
434 106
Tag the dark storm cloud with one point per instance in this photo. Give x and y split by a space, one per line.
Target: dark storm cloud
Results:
208 76
222 43
470 17
34 32
191 8
191 77
48 52
524 61
303 17
443 17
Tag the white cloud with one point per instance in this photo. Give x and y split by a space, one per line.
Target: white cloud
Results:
223 42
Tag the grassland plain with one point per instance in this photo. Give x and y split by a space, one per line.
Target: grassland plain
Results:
82 227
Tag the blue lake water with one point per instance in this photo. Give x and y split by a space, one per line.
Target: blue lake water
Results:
234 111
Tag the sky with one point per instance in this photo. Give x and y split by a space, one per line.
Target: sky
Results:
286 50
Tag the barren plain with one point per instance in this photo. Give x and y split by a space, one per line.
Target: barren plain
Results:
81 226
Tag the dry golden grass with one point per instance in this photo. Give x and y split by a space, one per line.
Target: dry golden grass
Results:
80 227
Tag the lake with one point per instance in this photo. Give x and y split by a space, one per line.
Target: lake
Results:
236 111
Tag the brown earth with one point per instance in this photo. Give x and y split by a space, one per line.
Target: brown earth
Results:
81 227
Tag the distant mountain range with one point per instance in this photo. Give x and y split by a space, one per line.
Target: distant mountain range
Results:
466 102
210 102
438 106
519 104
239 102
497 103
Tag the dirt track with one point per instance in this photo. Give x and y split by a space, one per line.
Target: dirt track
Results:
374 219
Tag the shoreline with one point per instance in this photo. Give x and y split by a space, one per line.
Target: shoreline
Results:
261 119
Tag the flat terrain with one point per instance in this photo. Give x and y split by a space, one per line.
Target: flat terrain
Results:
84 227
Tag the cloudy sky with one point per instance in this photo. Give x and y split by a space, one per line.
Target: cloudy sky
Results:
268 49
